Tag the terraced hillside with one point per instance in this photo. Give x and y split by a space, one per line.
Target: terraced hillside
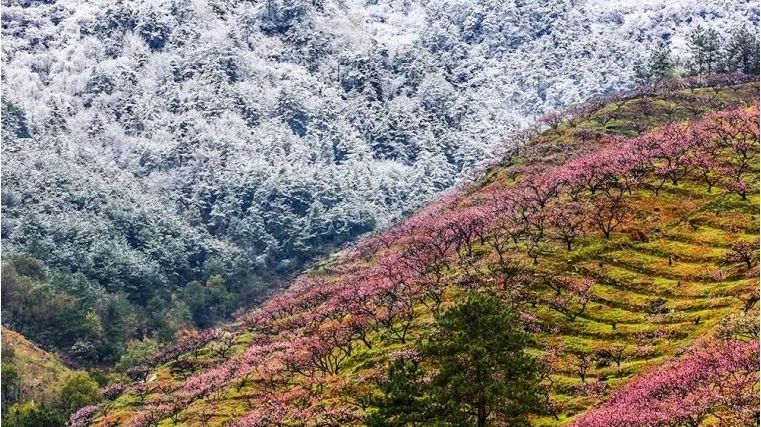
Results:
624 234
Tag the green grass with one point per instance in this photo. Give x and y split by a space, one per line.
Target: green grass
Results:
41 372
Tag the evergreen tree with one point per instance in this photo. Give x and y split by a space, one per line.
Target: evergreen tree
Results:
481 373
483 370
659 65
404 396
14 121
742 51
705 47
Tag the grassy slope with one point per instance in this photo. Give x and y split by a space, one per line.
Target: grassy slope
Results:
685 223
41 372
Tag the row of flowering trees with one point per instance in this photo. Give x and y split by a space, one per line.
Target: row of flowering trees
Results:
717 382
589 193
683 91
305 337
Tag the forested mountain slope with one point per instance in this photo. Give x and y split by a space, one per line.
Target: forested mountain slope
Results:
625 237
175 155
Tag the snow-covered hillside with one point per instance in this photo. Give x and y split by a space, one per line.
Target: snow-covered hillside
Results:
151 143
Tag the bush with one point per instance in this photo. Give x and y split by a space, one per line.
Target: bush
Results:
30 414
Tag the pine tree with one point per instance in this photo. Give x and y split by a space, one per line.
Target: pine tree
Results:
403 400
659 65
705 47
481 373
742 51
14 121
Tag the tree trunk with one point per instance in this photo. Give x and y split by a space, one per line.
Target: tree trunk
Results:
481 422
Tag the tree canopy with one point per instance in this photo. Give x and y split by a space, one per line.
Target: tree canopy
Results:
480 372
